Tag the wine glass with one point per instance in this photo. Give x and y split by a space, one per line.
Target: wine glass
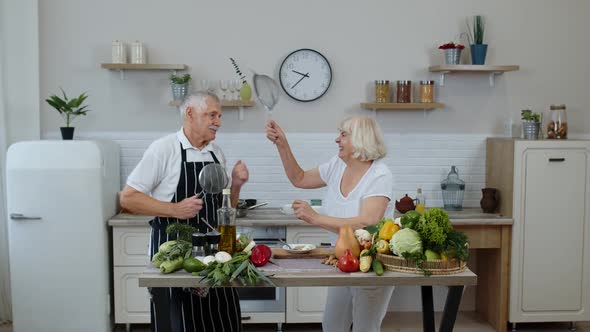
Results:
232 90
237 85
223 85
205 85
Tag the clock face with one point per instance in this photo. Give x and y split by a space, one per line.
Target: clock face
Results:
305 75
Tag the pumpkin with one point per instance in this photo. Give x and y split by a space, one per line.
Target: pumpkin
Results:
346 240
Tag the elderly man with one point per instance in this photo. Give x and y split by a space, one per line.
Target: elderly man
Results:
165 184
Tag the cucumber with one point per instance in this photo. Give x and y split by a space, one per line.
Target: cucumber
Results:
377 267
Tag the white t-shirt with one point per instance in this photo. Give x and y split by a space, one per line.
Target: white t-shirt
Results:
377 181
158 172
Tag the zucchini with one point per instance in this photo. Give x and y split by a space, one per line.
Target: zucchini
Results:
377 267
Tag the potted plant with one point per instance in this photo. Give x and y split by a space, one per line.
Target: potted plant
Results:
69 109
179 85
452 52
245 90
475 36
531 124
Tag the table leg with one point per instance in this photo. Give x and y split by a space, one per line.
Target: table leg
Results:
427 309
451 308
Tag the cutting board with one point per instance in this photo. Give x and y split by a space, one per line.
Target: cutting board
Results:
280 253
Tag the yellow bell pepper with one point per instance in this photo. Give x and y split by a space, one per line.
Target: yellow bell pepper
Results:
382 247
387 230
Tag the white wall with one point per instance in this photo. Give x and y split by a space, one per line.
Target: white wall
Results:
20 77
363 40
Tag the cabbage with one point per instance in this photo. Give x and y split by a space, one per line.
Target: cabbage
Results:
405 240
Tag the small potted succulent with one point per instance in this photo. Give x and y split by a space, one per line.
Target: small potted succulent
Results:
475 36
69 109
452 52
245 90
179 85
531 124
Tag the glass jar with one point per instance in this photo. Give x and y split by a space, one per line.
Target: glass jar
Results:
404 91
453 189
427 91
557 122
382 91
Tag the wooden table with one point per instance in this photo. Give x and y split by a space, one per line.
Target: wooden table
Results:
310 272
492 245
490 236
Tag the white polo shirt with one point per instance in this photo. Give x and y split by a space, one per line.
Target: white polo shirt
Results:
158 172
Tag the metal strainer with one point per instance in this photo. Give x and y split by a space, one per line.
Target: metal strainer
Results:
267 92
213 179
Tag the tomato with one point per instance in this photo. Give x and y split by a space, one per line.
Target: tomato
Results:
261 254
348 263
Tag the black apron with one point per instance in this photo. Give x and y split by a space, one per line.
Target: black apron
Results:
178 309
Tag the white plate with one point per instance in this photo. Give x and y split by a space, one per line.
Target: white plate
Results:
309 247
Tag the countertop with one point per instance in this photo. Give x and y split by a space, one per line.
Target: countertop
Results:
310 272
265 217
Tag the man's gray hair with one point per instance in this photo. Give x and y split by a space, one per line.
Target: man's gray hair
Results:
197 100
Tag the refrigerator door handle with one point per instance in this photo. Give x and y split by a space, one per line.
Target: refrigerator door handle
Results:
20 216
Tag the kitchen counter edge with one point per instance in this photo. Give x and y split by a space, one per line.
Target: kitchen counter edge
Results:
273 217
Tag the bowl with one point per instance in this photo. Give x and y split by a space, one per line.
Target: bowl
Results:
288 210
241 213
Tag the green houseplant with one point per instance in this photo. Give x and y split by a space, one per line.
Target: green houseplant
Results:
475 33
245 90
179 85
69 109
531 124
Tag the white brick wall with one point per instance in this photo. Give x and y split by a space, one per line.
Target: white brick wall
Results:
414 160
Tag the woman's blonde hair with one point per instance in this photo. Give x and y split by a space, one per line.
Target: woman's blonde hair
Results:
365 136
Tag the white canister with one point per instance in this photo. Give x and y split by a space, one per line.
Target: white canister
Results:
138 54
119 53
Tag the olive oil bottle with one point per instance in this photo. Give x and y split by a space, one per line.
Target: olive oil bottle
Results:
226 224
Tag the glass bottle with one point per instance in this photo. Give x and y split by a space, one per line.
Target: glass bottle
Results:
453 189
557 123
420 201
226 224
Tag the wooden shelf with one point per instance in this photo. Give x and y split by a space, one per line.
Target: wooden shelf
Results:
224 103
401 106
133 66
472 68
492 71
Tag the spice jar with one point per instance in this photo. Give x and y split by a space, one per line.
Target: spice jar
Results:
382 91
404 91
557 123
426 91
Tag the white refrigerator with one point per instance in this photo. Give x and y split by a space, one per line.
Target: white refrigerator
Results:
60 195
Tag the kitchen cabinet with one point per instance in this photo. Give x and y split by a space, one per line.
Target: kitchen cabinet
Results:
130 249
306 304
545 186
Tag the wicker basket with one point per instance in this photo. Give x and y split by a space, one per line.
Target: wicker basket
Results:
436 266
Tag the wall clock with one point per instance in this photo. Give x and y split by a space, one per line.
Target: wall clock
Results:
305 75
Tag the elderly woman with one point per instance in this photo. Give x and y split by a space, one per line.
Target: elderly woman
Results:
359 190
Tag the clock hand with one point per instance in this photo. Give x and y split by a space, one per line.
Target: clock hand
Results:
302 77
300 73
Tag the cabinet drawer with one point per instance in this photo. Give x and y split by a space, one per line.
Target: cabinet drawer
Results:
132 303
130 246
311 235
